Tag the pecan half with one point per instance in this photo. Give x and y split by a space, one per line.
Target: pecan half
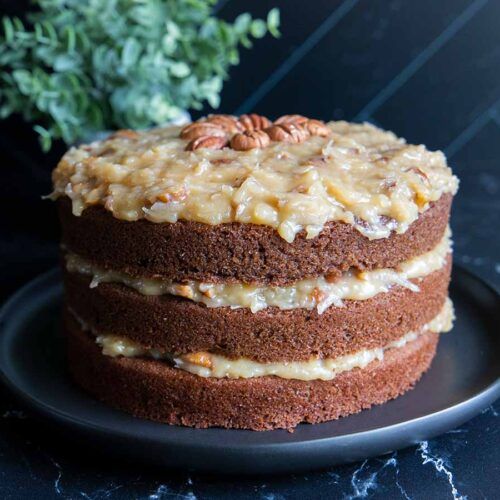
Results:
227 122
250 139
287 132
295 119
200 129
207 142
315 127
254 122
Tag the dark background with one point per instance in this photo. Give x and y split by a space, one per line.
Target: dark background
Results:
427 69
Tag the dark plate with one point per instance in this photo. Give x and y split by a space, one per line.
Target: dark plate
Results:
464 379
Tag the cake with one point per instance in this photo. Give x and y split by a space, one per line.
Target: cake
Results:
243 273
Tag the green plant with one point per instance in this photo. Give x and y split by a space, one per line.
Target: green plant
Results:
79 66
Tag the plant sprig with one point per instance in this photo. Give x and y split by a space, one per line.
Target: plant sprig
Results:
77 67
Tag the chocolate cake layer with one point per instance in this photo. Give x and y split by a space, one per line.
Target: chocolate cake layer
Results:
180 326
154 390
240 252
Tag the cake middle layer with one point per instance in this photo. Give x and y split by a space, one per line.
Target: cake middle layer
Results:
181 326
207 364
319 293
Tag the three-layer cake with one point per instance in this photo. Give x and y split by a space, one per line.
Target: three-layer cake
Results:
251 274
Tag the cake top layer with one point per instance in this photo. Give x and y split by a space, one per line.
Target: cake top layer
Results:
296 174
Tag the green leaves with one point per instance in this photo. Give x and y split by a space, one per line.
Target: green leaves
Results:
76 67
273 22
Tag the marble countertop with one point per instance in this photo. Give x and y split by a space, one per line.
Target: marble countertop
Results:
34 463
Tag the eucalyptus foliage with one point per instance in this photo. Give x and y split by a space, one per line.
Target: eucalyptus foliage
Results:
79 66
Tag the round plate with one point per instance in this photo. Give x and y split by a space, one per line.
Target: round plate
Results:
464 379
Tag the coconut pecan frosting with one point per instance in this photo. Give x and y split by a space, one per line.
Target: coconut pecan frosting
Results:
249 131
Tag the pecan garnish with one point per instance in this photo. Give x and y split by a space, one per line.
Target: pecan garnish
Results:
314 127
250 139
207 142
250 131
201 129
227 122
295 119
254 122
287 132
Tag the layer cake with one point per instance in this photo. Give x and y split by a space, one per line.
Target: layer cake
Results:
243 273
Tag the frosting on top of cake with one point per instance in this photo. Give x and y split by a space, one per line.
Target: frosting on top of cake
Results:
355 173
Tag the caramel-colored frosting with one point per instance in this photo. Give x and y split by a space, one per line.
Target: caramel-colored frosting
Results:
356 173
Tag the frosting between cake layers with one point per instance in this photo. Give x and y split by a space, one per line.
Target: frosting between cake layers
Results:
310 293
213 365
359 174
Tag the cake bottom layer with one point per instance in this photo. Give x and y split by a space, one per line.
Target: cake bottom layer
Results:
154 390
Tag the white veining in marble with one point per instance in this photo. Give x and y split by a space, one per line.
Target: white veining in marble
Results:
394 462
440 466
101 492
163 491
362 486
57 481
333 476
491 410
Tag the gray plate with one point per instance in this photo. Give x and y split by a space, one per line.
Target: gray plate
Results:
464 379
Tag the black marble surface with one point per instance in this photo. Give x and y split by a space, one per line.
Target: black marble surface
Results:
428 70
462 463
